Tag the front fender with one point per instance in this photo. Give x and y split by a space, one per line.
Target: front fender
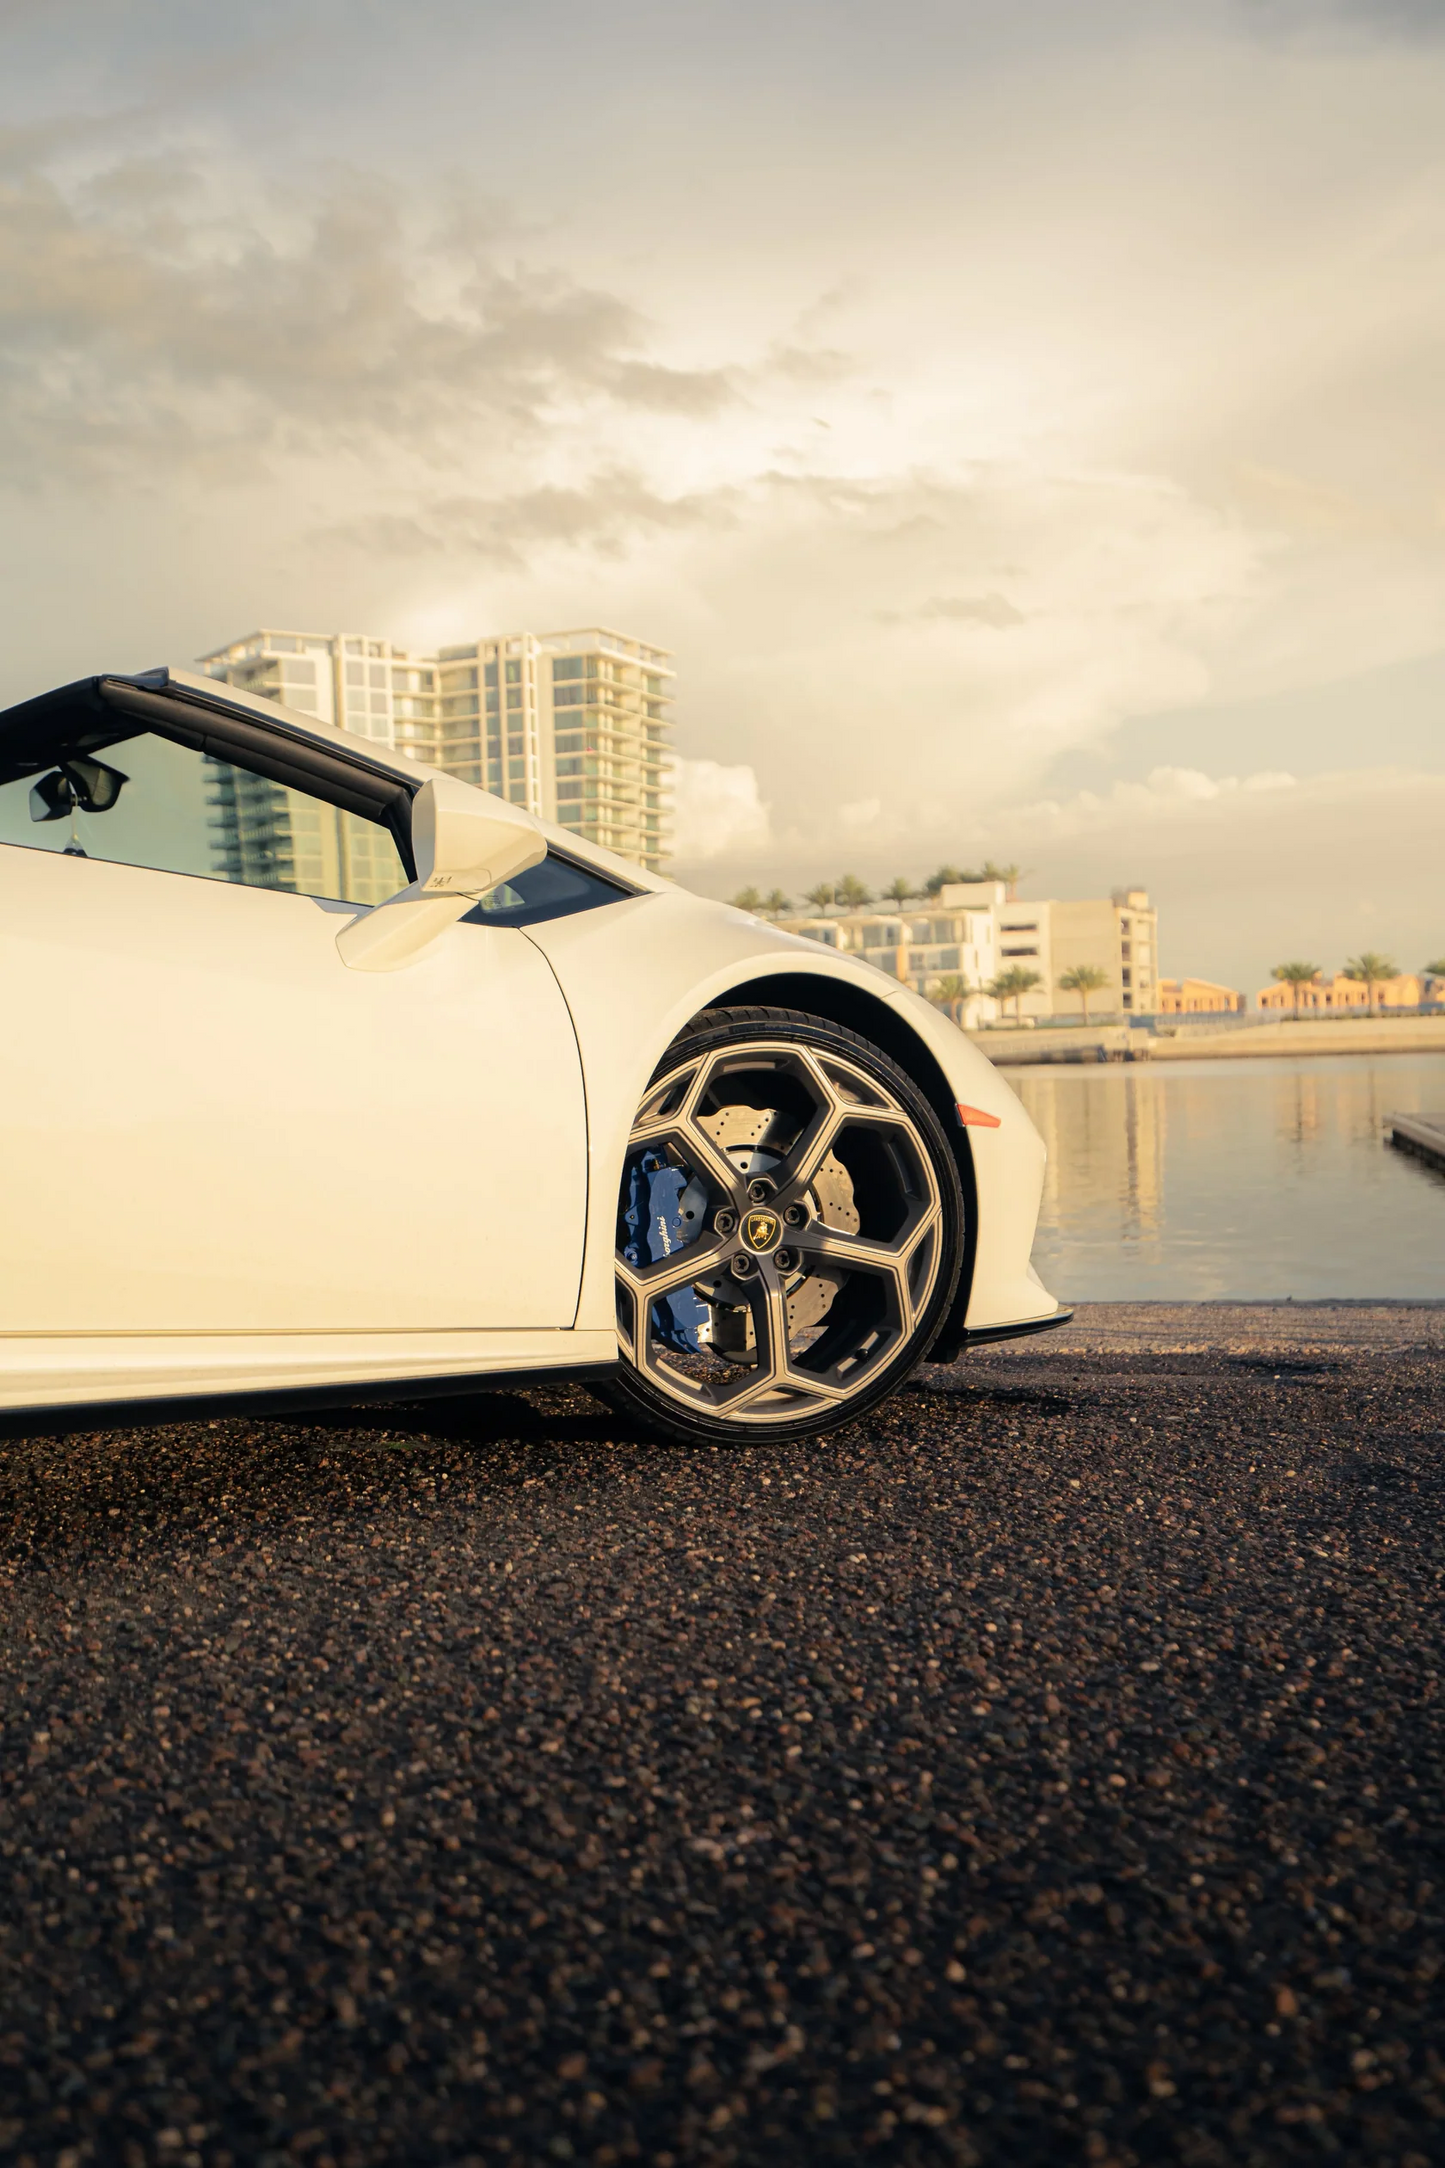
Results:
634 973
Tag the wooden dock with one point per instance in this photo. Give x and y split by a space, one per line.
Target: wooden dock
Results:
1422 1134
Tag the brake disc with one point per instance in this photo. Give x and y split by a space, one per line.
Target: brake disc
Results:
751 1138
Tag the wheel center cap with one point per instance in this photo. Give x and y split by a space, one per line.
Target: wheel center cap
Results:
761 1230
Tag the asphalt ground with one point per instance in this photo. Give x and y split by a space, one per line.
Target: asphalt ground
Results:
1046 1770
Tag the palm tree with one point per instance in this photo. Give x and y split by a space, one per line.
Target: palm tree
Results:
949 992
1437 969
1012 985
899 889
852 893
1372 970
1009 875
775 903
821 896
1083 980
946 877
746 899
1295 976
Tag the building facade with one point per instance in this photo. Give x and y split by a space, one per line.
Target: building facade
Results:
1197 997
957 944
1330 995
1118 935
571 725
946 948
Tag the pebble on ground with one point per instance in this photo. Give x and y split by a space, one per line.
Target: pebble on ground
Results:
1046 1770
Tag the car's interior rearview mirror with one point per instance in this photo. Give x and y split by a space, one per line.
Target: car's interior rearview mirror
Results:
76 786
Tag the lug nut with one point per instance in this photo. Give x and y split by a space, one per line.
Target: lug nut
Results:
759 1190
725 1221
794 1215
787 1260
743 1266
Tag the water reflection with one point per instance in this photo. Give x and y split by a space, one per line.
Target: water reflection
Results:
1101 1143
1237 1179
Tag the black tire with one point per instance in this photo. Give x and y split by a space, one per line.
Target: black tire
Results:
814 1191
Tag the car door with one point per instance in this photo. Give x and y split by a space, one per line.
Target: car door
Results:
210 1125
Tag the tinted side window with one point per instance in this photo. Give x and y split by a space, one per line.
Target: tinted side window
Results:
554 889
145 801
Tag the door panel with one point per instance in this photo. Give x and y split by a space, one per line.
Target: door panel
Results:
208 1124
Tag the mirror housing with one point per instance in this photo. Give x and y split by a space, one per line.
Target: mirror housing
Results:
465 844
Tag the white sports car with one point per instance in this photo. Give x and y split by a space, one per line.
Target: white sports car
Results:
325 1075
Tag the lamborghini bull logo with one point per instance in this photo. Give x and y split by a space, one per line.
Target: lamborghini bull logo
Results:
761 1231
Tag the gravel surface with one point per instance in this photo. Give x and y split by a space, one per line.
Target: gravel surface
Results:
1046 1771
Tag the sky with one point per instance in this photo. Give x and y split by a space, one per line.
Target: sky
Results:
1023 424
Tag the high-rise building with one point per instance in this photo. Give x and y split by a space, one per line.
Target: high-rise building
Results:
571 725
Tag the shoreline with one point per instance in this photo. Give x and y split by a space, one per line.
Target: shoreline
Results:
1379 1324
1076 1044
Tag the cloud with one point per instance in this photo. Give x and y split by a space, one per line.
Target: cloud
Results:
607 512
140 322
717 810
1242 875
994 611
955 401
1166 794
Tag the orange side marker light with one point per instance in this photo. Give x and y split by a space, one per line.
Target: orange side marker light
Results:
975 1118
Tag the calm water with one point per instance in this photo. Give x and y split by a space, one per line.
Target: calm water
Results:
1209 1180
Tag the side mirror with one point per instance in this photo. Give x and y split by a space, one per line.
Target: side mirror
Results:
465 844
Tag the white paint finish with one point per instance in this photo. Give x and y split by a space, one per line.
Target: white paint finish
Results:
210 1124
1008 1174
397 932
60 1371
635 972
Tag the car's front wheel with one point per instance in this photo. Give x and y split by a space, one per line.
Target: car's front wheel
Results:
790 1231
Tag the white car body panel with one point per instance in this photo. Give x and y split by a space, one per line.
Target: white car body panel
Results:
228 1163
212 1125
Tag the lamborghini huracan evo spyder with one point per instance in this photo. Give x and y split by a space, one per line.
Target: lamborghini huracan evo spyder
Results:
325 1075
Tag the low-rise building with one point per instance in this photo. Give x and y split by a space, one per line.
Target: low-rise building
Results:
1117 935
955 945
1197 997
946 947
1336 993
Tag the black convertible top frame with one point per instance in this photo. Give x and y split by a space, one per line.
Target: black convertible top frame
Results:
107 710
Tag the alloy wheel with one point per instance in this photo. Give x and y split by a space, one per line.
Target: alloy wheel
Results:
781 1233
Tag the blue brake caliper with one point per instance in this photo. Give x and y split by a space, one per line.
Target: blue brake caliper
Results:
655 1228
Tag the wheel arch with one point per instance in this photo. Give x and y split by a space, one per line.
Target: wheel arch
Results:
840 1002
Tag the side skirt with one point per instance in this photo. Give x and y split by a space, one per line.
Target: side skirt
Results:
52 1421
986 1333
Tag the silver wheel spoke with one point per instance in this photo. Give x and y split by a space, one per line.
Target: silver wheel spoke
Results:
648 1282
800 1167
695 1145
769 1304
883 1260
